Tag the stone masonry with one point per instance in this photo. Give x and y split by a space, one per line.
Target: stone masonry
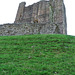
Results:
50 16
37 11
29 28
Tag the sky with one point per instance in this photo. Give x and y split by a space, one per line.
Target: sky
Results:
8 11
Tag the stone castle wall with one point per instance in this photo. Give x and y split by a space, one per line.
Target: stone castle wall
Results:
29 28
50 15
37 11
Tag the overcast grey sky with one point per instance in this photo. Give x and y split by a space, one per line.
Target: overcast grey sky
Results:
8 10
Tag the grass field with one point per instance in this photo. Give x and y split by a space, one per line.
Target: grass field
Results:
37 55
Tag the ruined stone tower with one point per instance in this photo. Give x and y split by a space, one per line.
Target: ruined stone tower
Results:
43 17
58 14
37 11
52 11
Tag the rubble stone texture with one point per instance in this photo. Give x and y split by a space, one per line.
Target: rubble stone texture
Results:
44 17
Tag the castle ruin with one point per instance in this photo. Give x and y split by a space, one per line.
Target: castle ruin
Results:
43 17
37 11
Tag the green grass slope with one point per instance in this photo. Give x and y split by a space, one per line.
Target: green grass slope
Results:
37 55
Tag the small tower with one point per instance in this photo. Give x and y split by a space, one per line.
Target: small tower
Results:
58 15
20 12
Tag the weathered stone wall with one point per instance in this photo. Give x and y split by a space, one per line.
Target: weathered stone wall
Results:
52 11
30 28
37 11
58 13
20 11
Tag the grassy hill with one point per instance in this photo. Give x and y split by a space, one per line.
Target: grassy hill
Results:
37 55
